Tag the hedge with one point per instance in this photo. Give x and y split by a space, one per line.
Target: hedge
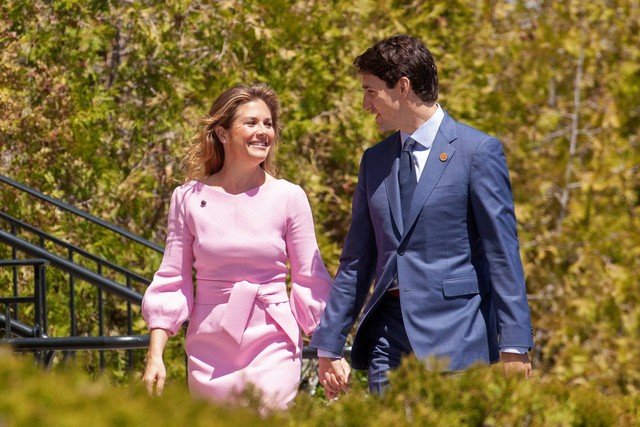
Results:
482 396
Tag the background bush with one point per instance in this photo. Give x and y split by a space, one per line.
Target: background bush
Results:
417 397
100 98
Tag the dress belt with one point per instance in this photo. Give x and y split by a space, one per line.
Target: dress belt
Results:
241 298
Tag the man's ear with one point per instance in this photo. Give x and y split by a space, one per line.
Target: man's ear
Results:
405 85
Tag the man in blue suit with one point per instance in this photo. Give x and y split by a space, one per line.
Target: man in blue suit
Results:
433 227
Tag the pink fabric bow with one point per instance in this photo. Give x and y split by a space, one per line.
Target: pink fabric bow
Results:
242 298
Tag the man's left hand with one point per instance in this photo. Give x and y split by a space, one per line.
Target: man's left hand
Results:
514 363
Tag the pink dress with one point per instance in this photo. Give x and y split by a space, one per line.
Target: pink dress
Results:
243 326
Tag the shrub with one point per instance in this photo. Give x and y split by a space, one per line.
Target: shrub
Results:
417 397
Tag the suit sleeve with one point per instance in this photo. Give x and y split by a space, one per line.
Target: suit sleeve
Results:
493 209
310 280
353 280
168 300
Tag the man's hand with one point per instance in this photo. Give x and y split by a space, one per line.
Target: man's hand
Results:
514 363
335 375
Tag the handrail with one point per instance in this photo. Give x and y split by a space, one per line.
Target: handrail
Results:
105 342
70 267
82 214
77 343
18 328
17 262
88 255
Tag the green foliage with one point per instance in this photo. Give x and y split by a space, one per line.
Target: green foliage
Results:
70 398
99 100
482 396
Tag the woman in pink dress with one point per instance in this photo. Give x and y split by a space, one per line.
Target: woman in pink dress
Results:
243 231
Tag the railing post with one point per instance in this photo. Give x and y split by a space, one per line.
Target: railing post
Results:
7 317
39 296
100 317
15 273
129 327
38 299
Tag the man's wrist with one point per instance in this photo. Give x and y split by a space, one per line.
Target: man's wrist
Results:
328 354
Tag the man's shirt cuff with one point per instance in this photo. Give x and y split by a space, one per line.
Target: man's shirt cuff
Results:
329 354
517 350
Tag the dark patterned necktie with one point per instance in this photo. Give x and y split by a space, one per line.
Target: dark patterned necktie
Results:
407 177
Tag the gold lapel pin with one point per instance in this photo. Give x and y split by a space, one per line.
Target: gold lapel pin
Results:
443 157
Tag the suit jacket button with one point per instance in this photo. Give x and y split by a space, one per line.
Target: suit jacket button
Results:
400 252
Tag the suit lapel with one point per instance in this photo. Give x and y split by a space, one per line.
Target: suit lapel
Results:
391 182
439 158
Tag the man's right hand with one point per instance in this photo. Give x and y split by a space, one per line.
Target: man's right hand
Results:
335 375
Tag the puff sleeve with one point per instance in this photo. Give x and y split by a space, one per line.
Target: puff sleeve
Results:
168 300
310 281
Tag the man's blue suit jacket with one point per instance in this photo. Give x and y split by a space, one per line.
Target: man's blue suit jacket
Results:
462 288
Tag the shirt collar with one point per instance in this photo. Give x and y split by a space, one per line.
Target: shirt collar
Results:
426 133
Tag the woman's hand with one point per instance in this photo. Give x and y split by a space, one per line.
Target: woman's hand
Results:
155 372
334 375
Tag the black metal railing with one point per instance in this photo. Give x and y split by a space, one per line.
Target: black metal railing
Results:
73 269
81 267
49 345
33 338
77 273
72 251
11 303
82 214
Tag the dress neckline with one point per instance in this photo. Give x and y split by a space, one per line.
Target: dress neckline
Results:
250 192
